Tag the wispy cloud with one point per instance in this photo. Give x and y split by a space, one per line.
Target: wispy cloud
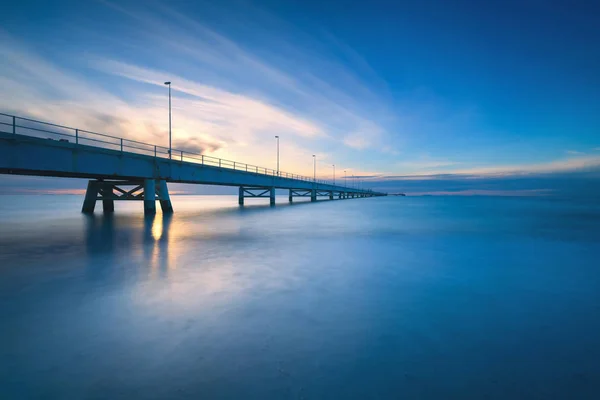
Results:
484 192
424 163
433 168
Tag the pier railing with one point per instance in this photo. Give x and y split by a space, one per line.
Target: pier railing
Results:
30 127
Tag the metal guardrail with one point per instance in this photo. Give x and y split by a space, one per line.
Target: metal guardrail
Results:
34 128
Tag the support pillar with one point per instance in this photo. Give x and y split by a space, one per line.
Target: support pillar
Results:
291 196
272 196
163 196
339 195
89 203
331 195
313 195
108 204
149 196
241 196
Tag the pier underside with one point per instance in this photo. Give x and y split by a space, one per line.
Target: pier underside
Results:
151 190
148 191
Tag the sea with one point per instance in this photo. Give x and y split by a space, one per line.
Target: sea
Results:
381 298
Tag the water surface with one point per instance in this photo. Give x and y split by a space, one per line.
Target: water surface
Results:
435 297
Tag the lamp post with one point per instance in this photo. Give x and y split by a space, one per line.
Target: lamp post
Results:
169 85
344 178
314 168
334 174
277 137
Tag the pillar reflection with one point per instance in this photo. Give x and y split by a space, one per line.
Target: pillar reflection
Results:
157 238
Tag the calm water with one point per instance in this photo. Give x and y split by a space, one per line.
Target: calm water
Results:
408 298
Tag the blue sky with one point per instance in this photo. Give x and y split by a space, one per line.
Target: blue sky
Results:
407 91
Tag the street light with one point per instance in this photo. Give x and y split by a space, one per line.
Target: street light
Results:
344 178
334 174
169 85
314 168
277 137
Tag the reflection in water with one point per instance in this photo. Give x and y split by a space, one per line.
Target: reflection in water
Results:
156 244
157 225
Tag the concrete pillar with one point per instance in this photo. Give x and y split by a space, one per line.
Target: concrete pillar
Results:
241 196
108 204
291 196
89 203
339 195
164 198
272 196
331 195
313 195
149 196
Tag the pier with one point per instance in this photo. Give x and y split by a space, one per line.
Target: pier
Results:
121 169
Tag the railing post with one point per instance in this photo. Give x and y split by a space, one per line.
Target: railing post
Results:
202 159
219 163
234 165
14 125
246 167
121 145
76 136
154 151
181 155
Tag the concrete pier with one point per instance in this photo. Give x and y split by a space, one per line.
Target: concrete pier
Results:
149 196
89 203
164 198
141 171
108 204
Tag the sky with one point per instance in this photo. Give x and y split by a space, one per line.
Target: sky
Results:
423 97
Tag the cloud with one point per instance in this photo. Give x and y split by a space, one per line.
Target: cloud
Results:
573 184
423 163
357 141
483 192
217 109
292 85
431 168
196 145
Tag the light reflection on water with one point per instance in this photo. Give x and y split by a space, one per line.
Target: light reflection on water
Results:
370 298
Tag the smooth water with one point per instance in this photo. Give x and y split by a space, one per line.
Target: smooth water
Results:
430 297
